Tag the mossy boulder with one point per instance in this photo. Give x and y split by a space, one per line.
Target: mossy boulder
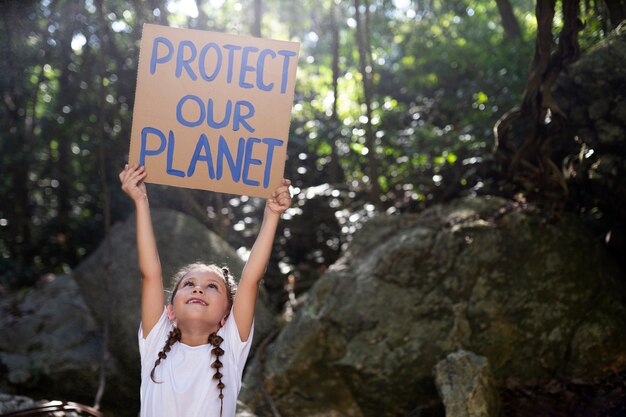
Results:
536 297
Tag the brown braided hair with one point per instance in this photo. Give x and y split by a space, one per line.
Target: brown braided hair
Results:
173 337
216 341
213 339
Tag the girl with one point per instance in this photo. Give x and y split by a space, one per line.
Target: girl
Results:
193 352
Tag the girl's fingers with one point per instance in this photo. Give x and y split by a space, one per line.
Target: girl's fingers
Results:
133 168
125 173
285 183
281 200
133 175
280 190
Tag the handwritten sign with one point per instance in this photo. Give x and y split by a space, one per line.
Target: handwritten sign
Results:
212 110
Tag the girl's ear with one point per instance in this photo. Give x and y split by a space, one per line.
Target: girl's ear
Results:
170 313
223 321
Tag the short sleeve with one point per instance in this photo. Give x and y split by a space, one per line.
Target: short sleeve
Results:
238 349
150 346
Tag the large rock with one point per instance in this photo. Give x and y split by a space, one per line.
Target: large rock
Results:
50 343
110 280
592 94
535 297
11 403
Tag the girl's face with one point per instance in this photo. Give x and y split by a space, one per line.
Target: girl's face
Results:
200 298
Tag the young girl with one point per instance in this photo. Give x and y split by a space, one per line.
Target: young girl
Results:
193 352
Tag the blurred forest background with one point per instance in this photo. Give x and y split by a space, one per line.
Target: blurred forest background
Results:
395 107
400 105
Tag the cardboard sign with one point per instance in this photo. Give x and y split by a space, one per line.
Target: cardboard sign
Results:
212 110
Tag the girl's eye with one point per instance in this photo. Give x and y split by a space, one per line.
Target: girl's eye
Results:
213 286
188 283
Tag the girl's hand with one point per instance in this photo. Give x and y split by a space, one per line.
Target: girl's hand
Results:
132 182
280 199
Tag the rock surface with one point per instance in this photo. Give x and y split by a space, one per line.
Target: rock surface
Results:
49 337
592 94
466 386
10 403
536 298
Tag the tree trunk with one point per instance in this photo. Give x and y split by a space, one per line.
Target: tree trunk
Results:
19 211
526 137
65 96
105 274
162 17
617 11
335 173
258 17
202 22
509 21
366 70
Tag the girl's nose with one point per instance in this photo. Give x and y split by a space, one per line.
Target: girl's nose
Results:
197 288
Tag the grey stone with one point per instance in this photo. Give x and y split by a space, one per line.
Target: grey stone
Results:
466 385
535 297
49 337
10 403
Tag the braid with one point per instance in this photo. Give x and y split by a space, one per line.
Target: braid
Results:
173 337
216 341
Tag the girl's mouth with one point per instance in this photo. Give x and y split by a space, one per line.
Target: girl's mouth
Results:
196 301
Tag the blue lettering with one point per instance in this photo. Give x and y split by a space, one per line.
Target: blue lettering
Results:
240 118
260 66
287 55
181 62
211 113
144 142
245 68
231 56
202 61
271 143
203 144
170 157
154 59
179 111
223 152
250 161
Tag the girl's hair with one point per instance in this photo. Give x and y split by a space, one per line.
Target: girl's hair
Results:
214 339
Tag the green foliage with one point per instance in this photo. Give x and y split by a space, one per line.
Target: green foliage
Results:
443 73
442 78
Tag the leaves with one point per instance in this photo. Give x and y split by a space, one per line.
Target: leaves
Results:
443 72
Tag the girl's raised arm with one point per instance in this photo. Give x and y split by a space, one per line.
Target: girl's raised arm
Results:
152 298
247 290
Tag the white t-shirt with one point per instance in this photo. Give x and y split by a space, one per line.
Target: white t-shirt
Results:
187 387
